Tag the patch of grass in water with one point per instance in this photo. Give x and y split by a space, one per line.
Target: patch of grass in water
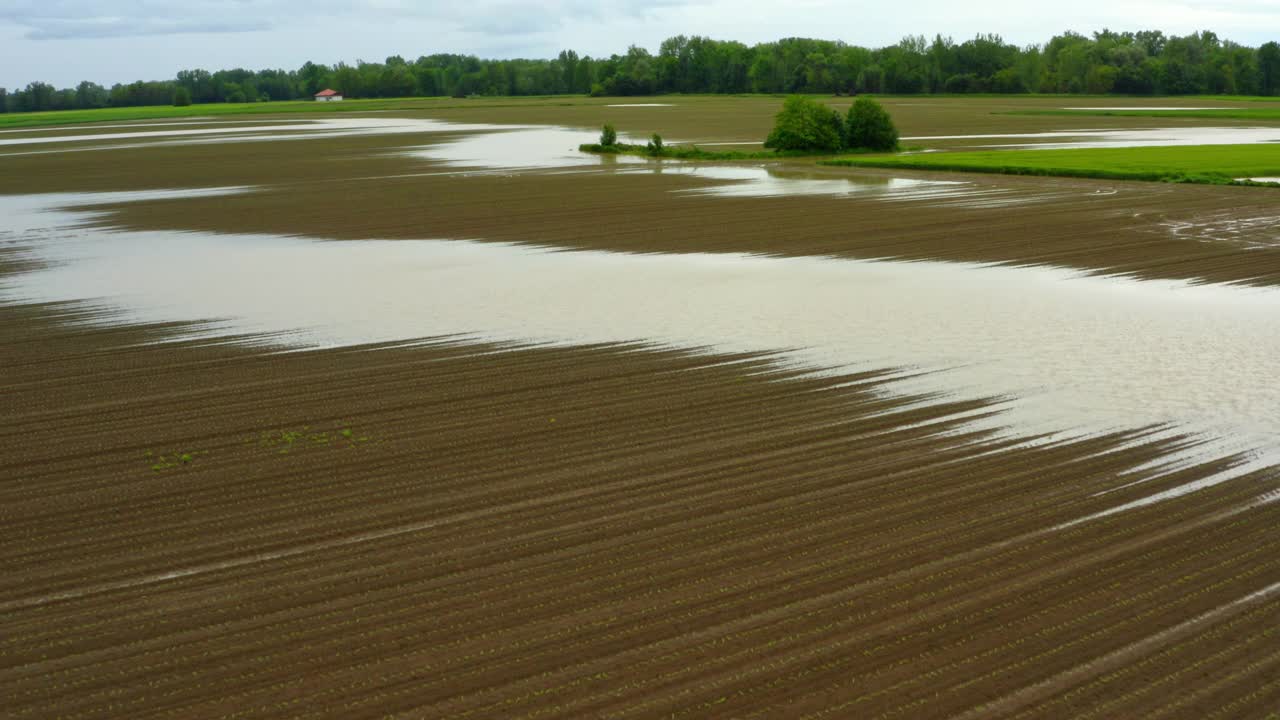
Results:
693 152
1202 164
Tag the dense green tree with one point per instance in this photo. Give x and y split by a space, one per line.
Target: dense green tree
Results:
1269 68
905 66
871 79
141 93
91 95
348 81
1152 41
1101 79
869 127
849 64
277 84
1068 58
806 124
36 97
200 84
966 83
1008 81
311 79
181 97
1135 63
398 81
635 75
984 56
817 72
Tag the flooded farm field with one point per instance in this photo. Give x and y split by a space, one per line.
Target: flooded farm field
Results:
1093 138
434 416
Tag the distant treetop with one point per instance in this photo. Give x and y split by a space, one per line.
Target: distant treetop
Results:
1136 63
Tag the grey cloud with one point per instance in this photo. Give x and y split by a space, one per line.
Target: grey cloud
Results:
56 29
503 18
63 19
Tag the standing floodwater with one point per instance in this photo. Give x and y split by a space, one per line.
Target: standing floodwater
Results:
1072 352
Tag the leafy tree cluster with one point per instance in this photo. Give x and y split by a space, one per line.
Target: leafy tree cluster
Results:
1147 62
608 136
806 125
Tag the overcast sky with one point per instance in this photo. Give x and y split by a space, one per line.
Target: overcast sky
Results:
109 41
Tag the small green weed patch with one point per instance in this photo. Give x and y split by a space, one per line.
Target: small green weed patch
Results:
285 442
171 460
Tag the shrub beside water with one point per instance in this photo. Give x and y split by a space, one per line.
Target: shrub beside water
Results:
806 124
803 127
869 127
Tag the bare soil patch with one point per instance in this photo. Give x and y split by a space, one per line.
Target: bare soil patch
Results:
221 529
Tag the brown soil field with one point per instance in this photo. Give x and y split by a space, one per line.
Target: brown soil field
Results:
703 118
723 119
1140 229
590 532
437 529
369 187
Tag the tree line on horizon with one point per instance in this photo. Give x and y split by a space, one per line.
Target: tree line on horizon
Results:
1129 63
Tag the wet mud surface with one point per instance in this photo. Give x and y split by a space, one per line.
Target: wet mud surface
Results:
491 501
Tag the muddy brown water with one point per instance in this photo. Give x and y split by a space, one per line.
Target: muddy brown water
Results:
1057 341
1074 353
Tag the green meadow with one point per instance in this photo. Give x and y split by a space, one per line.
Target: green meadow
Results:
1212 164
1270 114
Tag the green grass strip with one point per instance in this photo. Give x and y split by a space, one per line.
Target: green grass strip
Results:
693 152
1260 114
1206 164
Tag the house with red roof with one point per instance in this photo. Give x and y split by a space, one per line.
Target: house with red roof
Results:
328 96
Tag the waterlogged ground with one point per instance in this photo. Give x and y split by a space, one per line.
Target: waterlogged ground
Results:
1138 132
219 132
563 436
774 181
1058 345
1072 352
1098 138
528 149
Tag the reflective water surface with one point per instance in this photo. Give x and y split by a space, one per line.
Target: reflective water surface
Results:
240 131
1146 137
524 148
1070 352
778 181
